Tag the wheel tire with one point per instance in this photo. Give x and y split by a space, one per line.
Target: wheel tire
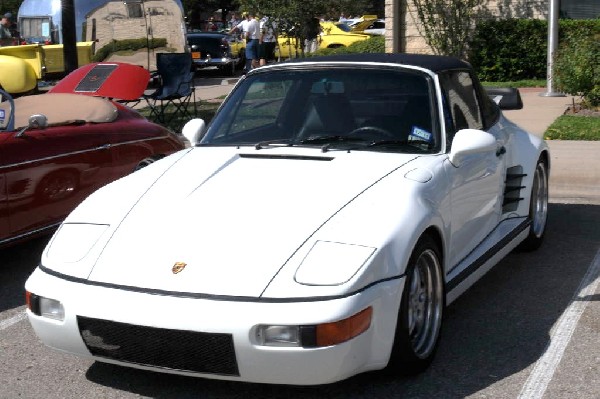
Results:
421 311
143 163
538 208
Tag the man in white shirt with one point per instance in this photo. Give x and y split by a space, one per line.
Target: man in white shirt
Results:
250 29
252 41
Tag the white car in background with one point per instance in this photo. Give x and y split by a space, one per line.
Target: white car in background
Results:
316 229
370 27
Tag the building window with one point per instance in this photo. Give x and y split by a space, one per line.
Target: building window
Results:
580 9
134 10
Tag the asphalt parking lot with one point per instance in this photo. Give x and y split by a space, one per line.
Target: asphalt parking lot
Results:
531 323
529 329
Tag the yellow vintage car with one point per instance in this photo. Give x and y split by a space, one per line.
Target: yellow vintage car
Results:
22 66
333 34
370 26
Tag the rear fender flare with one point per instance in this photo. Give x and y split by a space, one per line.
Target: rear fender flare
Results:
16 75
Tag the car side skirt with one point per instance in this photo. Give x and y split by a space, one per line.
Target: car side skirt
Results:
499 243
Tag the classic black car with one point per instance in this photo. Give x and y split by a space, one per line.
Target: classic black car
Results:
226 52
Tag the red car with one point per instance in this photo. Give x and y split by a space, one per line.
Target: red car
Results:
57 148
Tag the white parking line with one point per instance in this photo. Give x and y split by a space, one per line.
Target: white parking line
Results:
544 368
4 324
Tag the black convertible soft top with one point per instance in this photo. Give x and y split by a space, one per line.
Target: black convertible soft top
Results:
434 63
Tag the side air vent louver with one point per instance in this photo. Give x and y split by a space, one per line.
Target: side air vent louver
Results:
512 188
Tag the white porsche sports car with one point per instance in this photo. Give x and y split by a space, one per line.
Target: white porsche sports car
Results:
315 229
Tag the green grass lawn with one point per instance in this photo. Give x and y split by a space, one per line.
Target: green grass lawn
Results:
569 127
517 84
204 109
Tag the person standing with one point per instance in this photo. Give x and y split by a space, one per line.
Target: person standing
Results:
252 41
268 40
233 21
5 25
241 27
211 26
312 31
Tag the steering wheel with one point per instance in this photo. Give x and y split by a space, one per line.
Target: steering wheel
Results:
372 132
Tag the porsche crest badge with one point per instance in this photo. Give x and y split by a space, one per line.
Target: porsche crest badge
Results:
178 267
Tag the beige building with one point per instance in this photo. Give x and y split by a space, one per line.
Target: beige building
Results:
151 19
405 33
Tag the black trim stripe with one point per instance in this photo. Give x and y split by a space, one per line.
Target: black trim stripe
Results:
286 156
479 262
194 295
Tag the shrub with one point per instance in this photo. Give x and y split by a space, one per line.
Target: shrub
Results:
127 45
509 49
375 44
577 67
516 49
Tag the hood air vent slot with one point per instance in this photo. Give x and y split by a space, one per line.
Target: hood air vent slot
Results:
285 156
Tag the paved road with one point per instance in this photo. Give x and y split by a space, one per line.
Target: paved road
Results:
493 336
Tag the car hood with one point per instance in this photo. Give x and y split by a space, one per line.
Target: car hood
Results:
233 217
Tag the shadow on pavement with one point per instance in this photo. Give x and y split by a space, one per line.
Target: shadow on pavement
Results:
16 264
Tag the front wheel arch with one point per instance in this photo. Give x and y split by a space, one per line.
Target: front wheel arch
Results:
421 310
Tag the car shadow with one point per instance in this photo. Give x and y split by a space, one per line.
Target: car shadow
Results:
17 262
498 328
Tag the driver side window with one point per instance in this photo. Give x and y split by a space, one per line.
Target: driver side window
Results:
461 102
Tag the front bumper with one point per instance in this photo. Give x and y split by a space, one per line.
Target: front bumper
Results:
212 62
180 319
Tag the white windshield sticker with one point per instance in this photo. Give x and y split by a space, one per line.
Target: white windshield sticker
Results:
420 134
2 115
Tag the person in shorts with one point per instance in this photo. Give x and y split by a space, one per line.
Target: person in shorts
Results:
268 40
252 42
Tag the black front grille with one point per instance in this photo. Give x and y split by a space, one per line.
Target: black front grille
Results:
173 349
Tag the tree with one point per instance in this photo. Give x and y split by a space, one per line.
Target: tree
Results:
447 25
11 6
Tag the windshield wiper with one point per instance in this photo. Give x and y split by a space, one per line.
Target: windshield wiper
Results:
391 143
330 139
268 143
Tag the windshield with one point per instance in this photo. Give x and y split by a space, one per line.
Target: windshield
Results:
363 109
344 27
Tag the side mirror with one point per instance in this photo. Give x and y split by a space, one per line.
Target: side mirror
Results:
193 130
506 98
470 141
38 121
